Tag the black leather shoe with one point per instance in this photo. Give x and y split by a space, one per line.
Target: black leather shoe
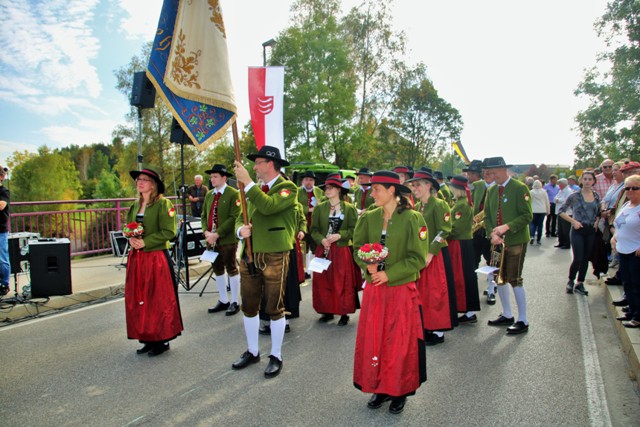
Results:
485 292
273 368
466 319
517 328
344 319
565 247
145 349
501 321
233 309
397 404
626 316
265 330
491 299
220 306
245 360
377 400
626 309
613 281
158 349
287 328
326 318
431 339
621 302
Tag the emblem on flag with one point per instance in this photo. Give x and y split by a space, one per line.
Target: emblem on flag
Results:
266 94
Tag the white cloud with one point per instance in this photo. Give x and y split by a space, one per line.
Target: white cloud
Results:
142 19
48 47
83 132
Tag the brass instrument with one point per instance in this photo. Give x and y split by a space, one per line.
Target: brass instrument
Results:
496 260
478 222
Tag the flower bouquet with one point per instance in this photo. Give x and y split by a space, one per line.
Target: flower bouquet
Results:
372 253
133 229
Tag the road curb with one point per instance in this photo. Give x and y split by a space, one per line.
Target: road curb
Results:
629 338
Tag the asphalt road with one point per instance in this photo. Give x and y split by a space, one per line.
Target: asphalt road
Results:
78 369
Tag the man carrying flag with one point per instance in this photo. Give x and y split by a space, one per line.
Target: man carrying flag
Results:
272 226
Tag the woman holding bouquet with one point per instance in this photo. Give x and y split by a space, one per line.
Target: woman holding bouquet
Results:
389 355
151 290
335 290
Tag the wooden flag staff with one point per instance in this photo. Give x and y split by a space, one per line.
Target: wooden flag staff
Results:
243 201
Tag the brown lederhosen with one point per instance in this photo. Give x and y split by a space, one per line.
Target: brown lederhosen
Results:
513 263
270 278
226 260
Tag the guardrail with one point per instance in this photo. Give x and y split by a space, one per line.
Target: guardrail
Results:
86 223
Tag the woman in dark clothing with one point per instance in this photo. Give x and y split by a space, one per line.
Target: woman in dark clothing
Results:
586 213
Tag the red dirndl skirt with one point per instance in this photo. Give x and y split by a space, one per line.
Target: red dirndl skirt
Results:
464 275
390 355
434 294
151 297
335 291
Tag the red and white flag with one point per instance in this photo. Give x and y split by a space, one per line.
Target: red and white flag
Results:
266 94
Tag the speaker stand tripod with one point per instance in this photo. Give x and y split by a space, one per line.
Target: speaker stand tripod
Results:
16 298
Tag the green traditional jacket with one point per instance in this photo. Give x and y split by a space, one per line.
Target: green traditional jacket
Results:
437 216
357 198
228 212
304 200
407 241
479 189
320 223
273 216
516 211
301 220
445 194
461 220
159 224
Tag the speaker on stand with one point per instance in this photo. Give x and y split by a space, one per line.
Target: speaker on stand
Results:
50 267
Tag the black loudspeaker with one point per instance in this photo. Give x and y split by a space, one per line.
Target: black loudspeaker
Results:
178 136
50 267
19 249
143 93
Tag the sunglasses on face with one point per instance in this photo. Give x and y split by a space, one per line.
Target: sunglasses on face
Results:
634 188
607 167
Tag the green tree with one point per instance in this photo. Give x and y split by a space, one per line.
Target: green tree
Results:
423 124
319 83
108 186
610 125
46 176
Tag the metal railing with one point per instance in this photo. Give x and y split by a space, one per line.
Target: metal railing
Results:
86 223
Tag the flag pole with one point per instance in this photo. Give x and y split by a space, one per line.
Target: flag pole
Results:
243 201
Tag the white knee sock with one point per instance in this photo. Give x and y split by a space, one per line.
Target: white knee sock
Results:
491 284
234 284
221 282
277 336
470 314
251 328
521 301
505 299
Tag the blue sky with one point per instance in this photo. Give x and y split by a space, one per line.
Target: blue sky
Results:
510 67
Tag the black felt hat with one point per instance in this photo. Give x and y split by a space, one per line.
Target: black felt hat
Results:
388 177
426 175
221 169
494 163
364 171
474 166
270 153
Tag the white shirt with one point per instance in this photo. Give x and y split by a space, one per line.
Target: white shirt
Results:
627 225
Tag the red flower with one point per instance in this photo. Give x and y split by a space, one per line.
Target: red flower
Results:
132 225
377 247
366 247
